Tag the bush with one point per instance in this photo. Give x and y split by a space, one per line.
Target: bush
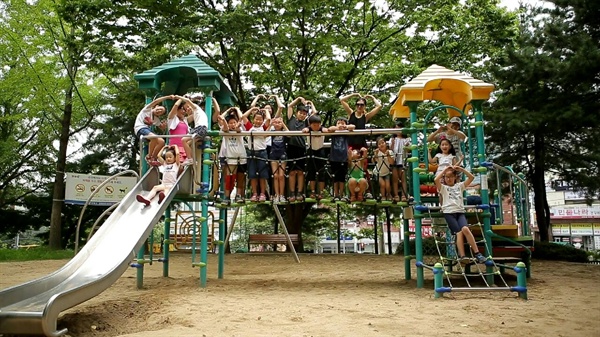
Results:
556 252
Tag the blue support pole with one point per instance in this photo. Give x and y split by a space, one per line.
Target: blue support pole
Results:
205 180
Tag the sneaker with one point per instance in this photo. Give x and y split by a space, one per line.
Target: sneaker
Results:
282 199
142 199
368 196
300 197
239 199
292 197
464 259
254 198
480 258
161 197
154 163
335 199
226 202
262 198
188 162
344 199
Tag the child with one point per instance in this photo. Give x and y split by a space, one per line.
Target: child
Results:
454 210
338 158
169 169
178 125
357 184
445 156
398 144
234 154
197 115
296 148
277 156
258 171
148 117
315 155
452 132
384 160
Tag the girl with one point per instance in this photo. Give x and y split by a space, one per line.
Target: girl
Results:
398 144
233 153
277 156
258 171
169 168
384 160
454 210
196 115
178 125
445 156
357 184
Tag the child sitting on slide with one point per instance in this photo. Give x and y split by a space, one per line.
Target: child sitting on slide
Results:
169 169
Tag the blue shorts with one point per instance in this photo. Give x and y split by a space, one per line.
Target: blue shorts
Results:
143 132
257 165
455 221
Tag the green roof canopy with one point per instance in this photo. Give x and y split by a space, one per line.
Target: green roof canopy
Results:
182 75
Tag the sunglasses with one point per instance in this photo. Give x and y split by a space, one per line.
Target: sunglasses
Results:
359 104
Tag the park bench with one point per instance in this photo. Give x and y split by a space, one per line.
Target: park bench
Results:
275 239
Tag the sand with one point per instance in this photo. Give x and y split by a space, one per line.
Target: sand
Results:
324 295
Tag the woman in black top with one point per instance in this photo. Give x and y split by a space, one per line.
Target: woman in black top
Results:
359 117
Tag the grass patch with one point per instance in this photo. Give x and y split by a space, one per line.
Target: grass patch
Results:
33 254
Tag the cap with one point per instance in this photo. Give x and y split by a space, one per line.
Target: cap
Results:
303 108
456 120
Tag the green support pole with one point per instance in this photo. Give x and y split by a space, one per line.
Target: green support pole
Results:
485 196
524 199
522 279
407 255
206 179
167 241
415 183
438 279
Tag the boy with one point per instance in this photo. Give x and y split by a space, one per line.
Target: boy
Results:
258 171
315 155
454 210
146 118
338 158
296 149
398 144
233 153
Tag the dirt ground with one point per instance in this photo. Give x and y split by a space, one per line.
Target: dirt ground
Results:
324 295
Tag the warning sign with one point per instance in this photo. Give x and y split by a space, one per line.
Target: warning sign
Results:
80 186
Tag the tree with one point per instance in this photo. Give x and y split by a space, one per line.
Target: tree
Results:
546 116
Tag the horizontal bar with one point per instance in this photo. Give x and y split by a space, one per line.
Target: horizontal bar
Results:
474 289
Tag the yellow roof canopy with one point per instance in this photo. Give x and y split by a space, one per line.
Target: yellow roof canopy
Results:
440 84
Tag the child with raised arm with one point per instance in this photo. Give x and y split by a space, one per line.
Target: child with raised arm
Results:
150 116
445 156
277 156
196 115
296 150
316 161
357 184
170 169
450 131
233 153
338 158
454 210
258 171
398 144
384 161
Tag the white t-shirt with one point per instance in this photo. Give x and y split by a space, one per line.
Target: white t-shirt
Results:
315 142
398 147
256 142
452 198
444 160
454 139
139 120
200 117
169 172
382 162
233 149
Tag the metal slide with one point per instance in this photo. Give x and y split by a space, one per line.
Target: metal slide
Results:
33 307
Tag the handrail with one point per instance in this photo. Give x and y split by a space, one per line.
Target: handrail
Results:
512 174
90 198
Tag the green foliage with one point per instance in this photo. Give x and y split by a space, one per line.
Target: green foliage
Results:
34 254
556 252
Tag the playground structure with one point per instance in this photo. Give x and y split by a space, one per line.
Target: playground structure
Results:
34 306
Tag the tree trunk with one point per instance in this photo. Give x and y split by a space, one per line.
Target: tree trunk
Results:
58 195
542 211
294 218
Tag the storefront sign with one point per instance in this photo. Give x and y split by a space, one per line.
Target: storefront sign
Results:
575 212
561 230
582 229
597 229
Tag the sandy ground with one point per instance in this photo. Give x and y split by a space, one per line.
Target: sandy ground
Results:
324 295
